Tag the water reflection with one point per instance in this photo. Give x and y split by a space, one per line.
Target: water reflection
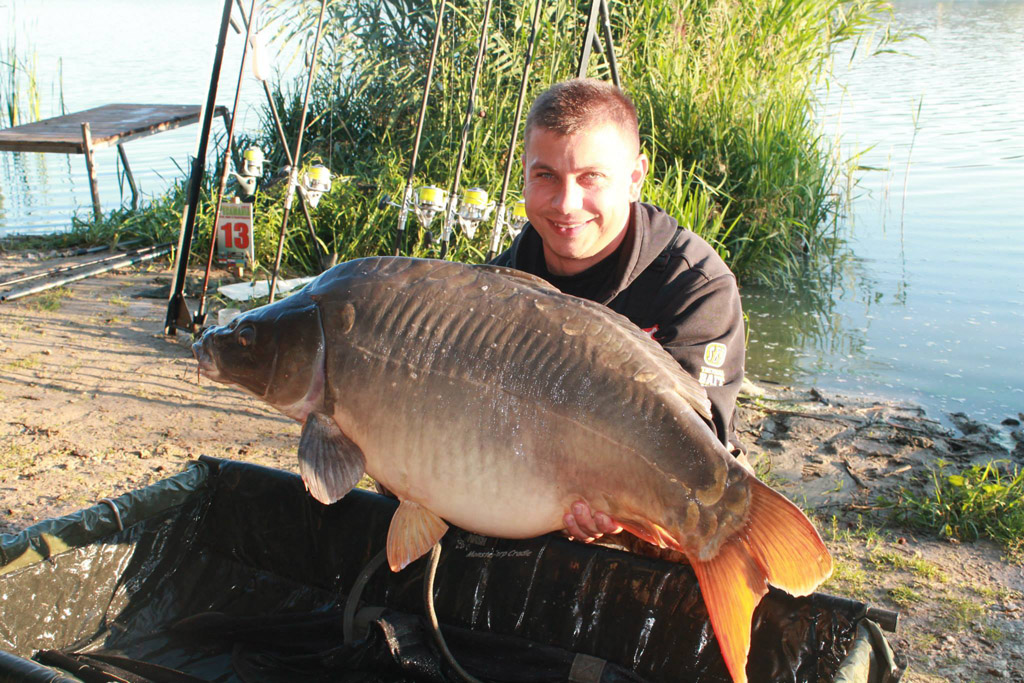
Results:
928 306
153 53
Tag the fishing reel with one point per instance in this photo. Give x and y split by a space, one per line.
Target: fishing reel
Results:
316 181
518 219
474 210
252 171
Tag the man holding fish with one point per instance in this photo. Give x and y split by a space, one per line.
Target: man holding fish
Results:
590 236
482 396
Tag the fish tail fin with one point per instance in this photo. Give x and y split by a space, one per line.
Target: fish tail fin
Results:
732 584
785 543
778 545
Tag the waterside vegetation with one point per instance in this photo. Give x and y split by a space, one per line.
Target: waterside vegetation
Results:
725 91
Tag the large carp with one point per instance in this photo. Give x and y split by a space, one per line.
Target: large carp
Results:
485 397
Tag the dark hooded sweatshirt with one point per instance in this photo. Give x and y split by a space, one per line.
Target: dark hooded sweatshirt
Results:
671 283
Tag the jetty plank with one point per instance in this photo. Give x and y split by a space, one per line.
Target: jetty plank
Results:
110 125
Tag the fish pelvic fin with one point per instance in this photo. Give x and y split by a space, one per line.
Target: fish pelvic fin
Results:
732 584
778 545
331 464
414 530
784 542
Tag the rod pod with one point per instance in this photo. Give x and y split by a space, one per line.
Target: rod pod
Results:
449 214
200 316
403 214
500 220
177 308
293 175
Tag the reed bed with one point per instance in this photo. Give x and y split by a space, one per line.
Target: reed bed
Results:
725 92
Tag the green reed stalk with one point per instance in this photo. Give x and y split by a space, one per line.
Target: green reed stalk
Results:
725 91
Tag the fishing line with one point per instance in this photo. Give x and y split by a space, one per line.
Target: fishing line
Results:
403 214
499 221
293 175
449 214
200 316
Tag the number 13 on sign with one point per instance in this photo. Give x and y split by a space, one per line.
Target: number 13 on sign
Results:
234 233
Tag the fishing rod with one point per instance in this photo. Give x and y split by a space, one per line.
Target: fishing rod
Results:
100 247
125 260
293 174
499 220
449 214
326 259
403 214
200 316
598 8
177 308
76 266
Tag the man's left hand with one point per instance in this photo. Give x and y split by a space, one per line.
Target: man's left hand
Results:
585 525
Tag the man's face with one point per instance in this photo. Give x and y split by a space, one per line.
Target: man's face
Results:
578 189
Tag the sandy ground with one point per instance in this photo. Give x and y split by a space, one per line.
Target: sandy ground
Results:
97 400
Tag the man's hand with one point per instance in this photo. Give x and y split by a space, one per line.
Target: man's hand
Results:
582 524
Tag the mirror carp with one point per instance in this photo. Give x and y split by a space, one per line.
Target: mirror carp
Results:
483 396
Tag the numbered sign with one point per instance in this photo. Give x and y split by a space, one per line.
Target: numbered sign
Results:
234 234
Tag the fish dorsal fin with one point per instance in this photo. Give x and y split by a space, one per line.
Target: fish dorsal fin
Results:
414 530
330 463
518 274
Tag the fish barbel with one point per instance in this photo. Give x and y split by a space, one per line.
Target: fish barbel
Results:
483 396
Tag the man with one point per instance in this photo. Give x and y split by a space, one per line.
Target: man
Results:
589 235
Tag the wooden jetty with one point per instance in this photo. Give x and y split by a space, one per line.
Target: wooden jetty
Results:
85 131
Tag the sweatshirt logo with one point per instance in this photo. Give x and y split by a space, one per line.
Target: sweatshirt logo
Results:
714 354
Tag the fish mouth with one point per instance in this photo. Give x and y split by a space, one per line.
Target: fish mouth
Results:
206 365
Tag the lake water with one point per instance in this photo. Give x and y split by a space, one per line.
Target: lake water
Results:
96 53
930 308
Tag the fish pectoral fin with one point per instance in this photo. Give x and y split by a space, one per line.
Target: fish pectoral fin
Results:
414 530
331 463
732 584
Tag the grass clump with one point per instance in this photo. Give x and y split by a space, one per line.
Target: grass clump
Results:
848 578
50 300
905 596
981 501
959 614
917 565
859 532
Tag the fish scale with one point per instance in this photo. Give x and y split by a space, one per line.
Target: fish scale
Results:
487 398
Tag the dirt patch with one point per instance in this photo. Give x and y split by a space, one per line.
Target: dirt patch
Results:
97 401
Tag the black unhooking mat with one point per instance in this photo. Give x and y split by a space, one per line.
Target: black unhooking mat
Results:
232 572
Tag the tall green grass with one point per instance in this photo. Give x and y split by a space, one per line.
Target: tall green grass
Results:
725 91
980 501
19 85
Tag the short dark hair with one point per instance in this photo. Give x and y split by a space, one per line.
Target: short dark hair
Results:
568 107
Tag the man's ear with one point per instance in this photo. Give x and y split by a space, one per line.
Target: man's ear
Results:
637 176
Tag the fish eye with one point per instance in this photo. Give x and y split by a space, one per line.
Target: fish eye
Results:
246 335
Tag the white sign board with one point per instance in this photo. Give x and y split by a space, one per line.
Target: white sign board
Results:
234 233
